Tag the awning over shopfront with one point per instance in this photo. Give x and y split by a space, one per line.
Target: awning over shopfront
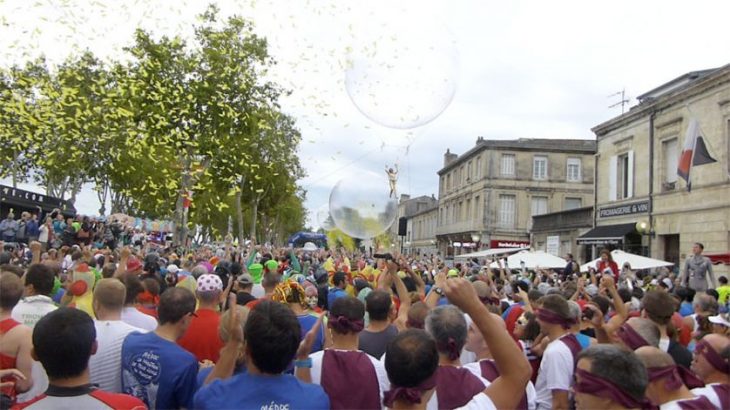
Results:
606 235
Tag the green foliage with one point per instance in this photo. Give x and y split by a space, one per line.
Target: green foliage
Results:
173 117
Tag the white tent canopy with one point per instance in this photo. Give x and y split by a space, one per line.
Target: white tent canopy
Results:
636 261
533 259
488 253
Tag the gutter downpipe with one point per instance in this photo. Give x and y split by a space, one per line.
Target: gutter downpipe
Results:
595 195
652 116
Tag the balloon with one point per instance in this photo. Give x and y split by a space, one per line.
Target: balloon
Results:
361 205
402 69
324 219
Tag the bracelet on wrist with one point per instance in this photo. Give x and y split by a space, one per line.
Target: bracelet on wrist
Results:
303 363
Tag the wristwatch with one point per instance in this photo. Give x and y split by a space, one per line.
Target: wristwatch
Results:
438 290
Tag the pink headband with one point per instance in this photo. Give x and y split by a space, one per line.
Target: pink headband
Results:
548 316
675 376
596 386
410 394
630 337
343 324
712 356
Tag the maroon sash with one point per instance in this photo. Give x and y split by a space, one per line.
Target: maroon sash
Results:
490 372
723 392
573 344
350 381
699 403
456 386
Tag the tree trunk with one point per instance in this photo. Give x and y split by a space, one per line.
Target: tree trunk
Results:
180 228
239 210
102 195
254 216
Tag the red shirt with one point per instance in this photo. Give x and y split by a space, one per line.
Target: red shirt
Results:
602 265
201 338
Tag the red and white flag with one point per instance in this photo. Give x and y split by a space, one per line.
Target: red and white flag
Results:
694 152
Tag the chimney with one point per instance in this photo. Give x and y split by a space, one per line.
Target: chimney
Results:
449 157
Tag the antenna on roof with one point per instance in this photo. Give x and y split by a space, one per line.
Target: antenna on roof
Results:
623 103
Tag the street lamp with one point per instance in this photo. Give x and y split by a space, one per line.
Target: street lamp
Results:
643 228
476 237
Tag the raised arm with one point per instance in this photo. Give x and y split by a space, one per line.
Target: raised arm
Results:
514 369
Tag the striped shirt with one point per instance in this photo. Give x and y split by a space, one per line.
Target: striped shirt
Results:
105 366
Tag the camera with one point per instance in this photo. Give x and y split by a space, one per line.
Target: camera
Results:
386 256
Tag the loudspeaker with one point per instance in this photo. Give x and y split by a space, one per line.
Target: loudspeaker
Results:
402 226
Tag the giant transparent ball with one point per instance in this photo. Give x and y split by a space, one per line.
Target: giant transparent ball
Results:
361 206
324 219
402 69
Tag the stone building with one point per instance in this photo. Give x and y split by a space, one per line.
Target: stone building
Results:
557 232
636 168
488 195
421 231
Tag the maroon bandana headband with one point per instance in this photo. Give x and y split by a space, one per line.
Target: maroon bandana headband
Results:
344 324
714 358
414 324
674 377
596 386
410 394
450 348
548 316
630 337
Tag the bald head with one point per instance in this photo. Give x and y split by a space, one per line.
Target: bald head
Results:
482 289
652 357
718 342
417 315
110 294
646 329
11 290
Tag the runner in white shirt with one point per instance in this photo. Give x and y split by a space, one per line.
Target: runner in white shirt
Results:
475 344
130 314
710 363
609 377
37 302
667 387
339 368
105 364
412 358
555 376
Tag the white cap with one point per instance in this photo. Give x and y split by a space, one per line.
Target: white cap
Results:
720 320
173 268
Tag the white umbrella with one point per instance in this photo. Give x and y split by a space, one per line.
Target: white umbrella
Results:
636 261
489 252
533 259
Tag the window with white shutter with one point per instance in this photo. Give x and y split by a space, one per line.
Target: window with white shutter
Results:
573 171
508 165
507 211
539 168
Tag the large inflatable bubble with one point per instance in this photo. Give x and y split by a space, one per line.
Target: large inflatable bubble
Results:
402 69
361 206
324 219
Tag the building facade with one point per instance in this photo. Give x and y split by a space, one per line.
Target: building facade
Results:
407 207
557 232
636 167
421 231
488 195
